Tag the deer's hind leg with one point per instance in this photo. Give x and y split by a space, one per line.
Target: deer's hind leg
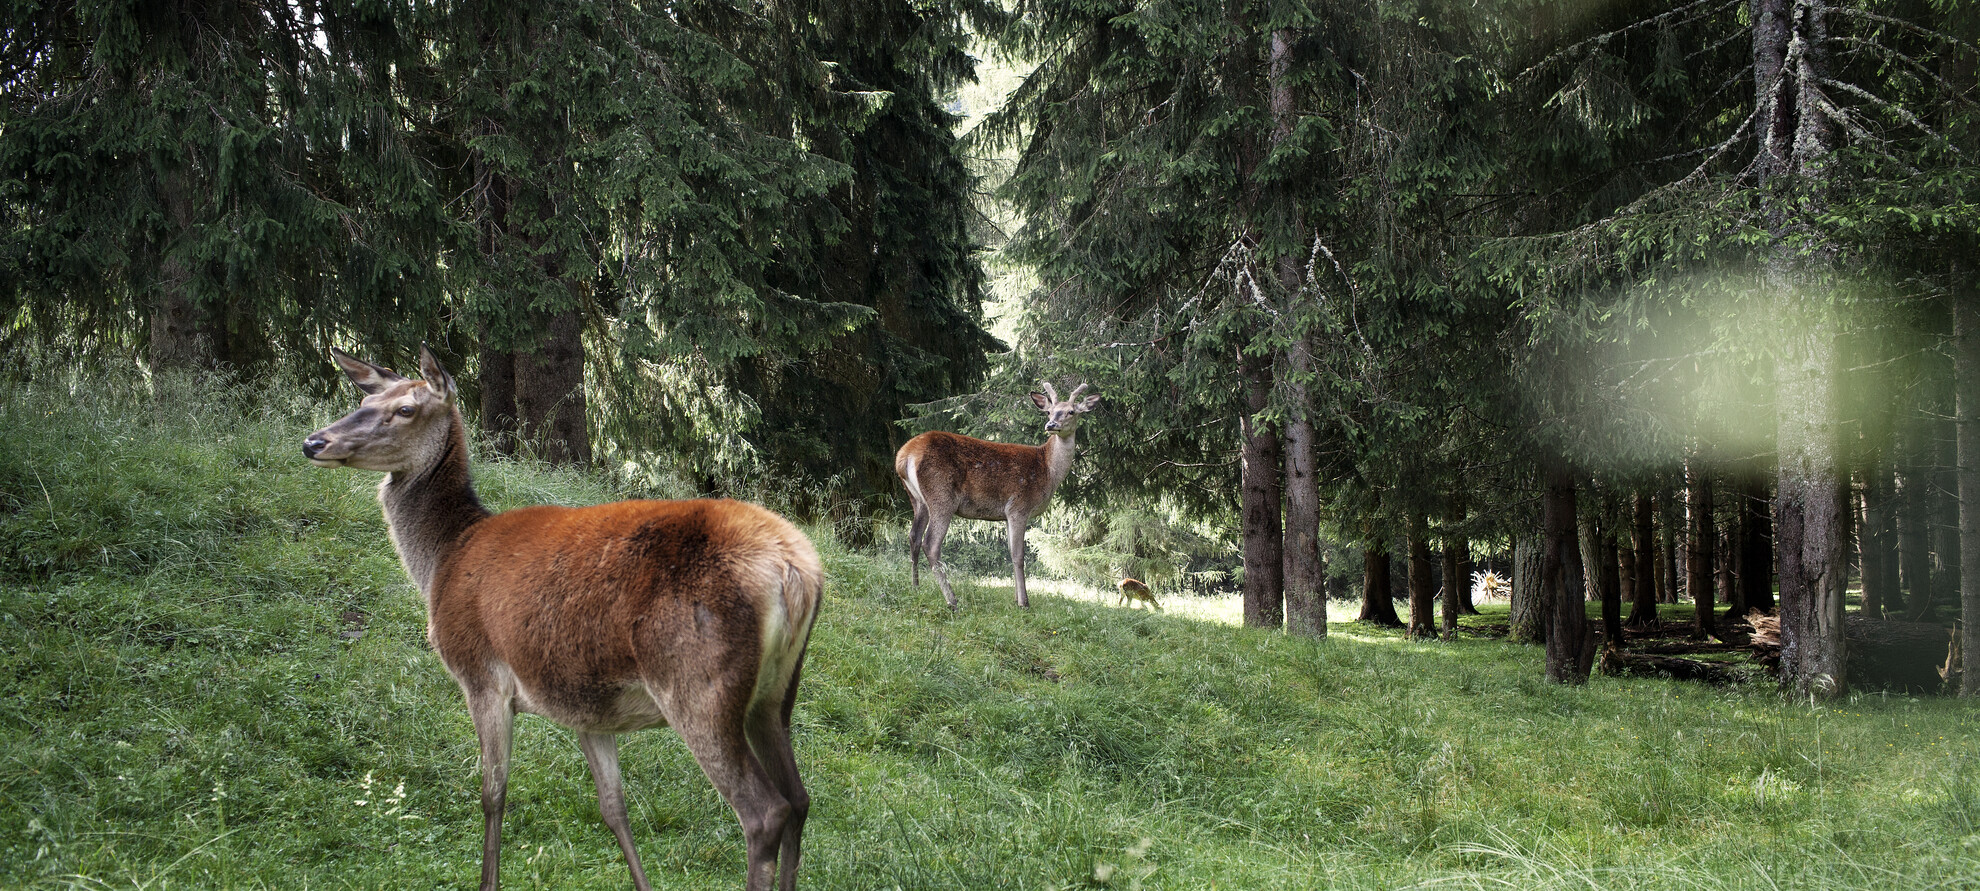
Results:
769 732
917 540
932 537
712 710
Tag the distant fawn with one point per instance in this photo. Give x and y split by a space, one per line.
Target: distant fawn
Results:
1132 589
605 619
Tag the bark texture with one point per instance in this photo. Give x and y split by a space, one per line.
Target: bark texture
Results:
1264 538
1643 541
549 381
1528 609
1422 587
1454 580
1876 542
1570 646
1378 605
1966 384
1756 543
1700 540
1809 522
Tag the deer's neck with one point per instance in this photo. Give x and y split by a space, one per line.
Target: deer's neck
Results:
428 511
1058 449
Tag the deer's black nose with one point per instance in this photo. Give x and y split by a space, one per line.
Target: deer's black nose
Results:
313 445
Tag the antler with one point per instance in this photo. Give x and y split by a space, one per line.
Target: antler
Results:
1075 393
1049 392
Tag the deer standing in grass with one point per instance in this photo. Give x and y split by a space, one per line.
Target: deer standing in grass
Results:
949 476
1136 589
605 619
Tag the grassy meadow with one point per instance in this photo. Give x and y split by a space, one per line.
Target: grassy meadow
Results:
213 674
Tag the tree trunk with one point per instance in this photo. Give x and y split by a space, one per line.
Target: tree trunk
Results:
1465 568
1611 578
498 398
1809 523
1587 540
1264 538
1378 604
1454 579
1528 611
1305 577
1790 63
1667 556
1945 514
1725 574
1878 543
1962 74
1966 386
1643 543
1457 574
1422 588
1626 569
1700 539
181 336
1570 648
1756 543
1305 594
1913 530
550 390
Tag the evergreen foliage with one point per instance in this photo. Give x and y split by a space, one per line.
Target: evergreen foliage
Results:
731 222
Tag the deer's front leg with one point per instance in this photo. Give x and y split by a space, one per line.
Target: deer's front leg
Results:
601 752
1014 527
494 724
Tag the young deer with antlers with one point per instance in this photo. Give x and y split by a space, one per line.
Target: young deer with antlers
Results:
604 619
949 476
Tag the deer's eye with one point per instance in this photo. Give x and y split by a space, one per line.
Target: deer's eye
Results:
407 411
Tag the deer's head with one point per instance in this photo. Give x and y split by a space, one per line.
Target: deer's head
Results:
1062 417
402 425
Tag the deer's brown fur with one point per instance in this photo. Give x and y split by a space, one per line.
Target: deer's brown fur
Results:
605 619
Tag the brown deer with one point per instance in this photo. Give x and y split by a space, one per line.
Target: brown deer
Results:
605 619
1136 589
949 476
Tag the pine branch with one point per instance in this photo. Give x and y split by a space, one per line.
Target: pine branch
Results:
1913 27
1667 17
1893 109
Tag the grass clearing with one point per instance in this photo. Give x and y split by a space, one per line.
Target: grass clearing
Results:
213 674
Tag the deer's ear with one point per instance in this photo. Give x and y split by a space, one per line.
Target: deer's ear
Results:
368 377
1088 404
436 376
1043 403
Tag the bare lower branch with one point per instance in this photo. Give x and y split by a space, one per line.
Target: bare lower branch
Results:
1913 27
1893 109
1674 16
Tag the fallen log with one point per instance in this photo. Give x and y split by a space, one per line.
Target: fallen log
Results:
1882 654
1617 662
1682 648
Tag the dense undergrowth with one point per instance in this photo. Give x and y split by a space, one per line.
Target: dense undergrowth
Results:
213 674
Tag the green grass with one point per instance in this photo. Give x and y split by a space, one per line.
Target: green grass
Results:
182 705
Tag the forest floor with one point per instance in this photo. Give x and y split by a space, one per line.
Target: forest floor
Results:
213 674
